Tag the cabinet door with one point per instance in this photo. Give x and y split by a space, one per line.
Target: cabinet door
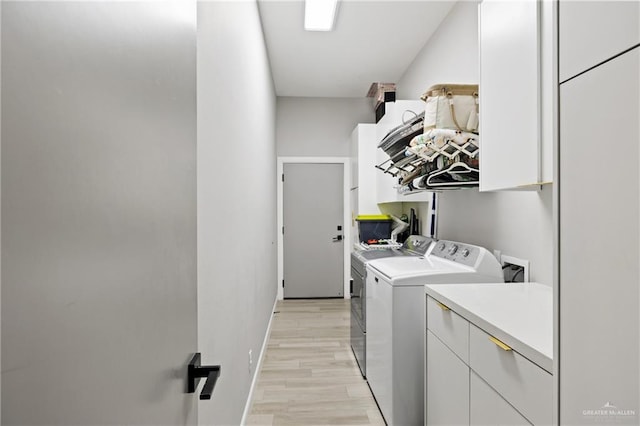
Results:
487 407
447 391
353 156
599 242
509 95
99 244
593 31
367 147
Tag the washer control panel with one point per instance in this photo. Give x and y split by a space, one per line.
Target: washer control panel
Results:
457 252
418 244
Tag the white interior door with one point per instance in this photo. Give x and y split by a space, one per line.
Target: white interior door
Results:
98 212
313 243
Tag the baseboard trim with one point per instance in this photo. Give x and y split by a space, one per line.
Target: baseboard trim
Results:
256 373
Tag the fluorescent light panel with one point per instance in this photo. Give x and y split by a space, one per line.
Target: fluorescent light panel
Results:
319 15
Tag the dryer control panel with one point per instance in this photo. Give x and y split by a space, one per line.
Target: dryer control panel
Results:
458 252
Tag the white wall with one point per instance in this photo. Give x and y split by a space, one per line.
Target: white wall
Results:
320 127
517 223
450 55
236 200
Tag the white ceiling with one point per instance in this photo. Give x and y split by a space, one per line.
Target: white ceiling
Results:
372 41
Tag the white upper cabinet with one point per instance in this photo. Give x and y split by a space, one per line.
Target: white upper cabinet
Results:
363 171
517 94
594 31
353 157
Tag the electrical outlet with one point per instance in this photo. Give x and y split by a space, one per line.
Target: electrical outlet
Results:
515 270
250 360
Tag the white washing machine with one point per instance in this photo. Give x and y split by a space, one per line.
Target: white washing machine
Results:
396 320
415 245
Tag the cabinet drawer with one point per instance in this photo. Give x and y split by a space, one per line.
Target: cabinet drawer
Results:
449 327
522 383
489 408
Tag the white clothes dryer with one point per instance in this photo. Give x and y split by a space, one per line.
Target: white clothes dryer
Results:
396 320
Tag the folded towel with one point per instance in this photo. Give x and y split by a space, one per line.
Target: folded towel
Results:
443 141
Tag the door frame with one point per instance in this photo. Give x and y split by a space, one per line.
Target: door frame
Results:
346 215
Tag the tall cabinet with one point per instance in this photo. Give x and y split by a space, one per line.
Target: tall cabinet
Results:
363 174
599 217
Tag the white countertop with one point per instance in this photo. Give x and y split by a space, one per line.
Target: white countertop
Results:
519 314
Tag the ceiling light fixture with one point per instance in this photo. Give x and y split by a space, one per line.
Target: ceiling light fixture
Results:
319 15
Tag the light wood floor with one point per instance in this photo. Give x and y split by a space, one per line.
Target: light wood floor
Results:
309 375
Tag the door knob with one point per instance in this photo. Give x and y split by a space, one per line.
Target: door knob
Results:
195 372
337 238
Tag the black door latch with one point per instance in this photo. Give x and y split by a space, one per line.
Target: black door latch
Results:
195 372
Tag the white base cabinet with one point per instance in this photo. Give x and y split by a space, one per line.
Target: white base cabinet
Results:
472 380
